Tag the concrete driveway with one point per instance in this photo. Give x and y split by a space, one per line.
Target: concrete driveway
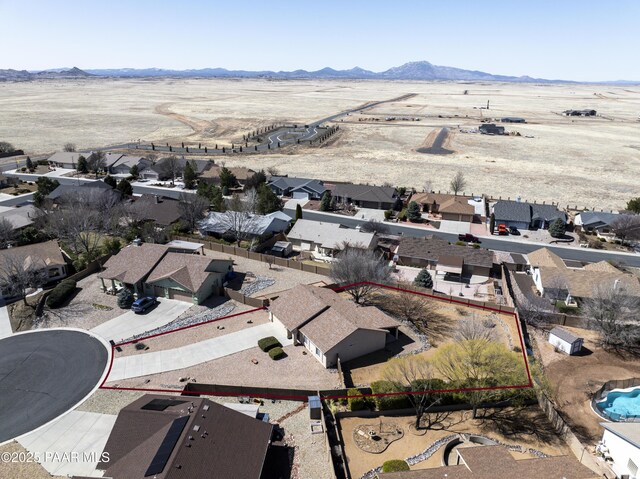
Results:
129 324
186 356
5 322
85 433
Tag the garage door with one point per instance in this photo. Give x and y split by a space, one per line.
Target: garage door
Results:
300 195
181 295
158 292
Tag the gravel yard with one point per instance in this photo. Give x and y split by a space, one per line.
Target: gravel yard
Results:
200 333
284 278
297 370
88 308
22 469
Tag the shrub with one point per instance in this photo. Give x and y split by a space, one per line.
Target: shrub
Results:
388 214
402 216
355 403
385 403
269 343
276 353
61 293
395 465
424 279
125 298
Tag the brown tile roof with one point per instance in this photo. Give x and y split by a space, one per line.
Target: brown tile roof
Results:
439 198
431 249
544 257
188 270
324 316
226 443
133 263
457 205
45 254
490 462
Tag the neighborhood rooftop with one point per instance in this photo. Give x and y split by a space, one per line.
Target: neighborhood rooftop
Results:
431 248
329 235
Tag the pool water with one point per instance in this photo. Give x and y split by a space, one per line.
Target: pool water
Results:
621 404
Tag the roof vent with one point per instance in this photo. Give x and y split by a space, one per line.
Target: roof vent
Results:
196 428
519 199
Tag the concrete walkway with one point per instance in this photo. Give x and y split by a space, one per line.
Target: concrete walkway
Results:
130 324
192 354
84 433
5 322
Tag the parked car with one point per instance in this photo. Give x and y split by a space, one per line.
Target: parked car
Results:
513 230
468 238
141 305
502 229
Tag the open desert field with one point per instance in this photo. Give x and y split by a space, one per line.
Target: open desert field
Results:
578 161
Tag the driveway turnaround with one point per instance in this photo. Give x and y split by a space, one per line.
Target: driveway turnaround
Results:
129 324
5 322
145 364
44 374
84 433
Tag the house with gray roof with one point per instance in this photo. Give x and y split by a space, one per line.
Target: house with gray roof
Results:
64 159
297 188
601 223
327 238
523 215
366 196
119 164
251 225
159 171
331 326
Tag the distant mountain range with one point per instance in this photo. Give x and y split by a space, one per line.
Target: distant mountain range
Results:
423 70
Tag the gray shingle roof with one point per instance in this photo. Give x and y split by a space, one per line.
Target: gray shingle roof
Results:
384 194
285 182
565 335
432 249
506 210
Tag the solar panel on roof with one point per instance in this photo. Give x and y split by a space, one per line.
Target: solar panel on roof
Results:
169 442
161 404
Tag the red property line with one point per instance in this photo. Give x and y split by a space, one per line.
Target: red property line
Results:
299 397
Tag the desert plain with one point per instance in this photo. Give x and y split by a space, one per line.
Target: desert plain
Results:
589 162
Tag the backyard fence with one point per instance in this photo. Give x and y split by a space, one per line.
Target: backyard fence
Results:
288 394
248 300
91 268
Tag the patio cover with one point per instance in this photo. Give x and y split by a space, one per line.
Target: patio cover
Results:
450 264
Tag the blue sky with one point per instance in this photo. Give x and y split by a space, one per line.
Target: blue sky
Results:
563 39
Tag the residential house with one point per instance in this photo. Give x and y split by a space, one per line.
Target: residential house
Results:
159 171
327 238
250 225
159 209
6 181
191 278
587 112
525 216
565 341
491 129
449 207
621 443
438 254
366 196
95 193
212 175
119 164
64 159
329 326
491 462
556 280
19 217
601 223
154 270
184 437
297 188
45 258
513 119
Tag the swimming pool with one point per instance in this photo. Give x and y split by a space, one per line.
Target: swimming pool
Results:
621 404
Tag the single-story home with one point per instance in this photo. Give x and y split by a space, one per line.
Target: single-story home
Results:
252 225
297 188
439 255
152 270
119 164
44 258
451 207
329 326
18 216
65 159
174 437
621 441
525 216
159 171
491 129
95 192
565 341
327 238
556 280
212 175
366 196
603 224
492 462
159 209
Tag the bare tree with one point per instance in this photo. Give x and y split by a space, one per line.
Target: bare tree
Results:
474 329
614 313
96 162
251 200
69 147
19 274
193 208
272 170
359 266
627 227
238 219
428 186
373 226
7 233
170 167
458 182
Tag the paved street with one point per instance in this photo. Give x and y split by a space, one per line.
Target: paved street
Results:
129 324
85 433
145 364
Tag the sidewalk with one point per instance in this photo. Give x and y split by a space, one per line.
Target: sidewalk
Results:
5 322
197 353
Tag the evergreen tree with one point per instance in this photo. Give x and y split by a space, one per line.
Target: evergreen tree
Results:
334 203
217 200
557 228
125 298
268 201
111 181
82 165
29 163
413 212
492 223
227 178
125 187
298 212
325 202
424 279
189 176
397 205
634 205
133 171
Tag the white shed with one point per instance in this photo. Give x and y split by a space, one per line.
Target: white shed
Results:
565 341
